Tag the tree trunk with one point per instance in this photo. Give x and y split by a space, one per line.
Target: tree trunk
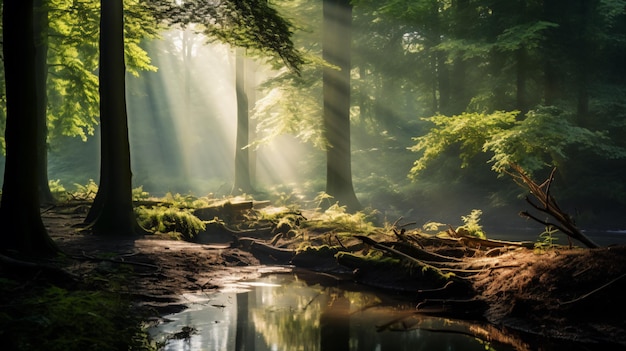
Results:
41 72
583 55
22 227
458 90
336 43
242 156
112 211
521 76
550 75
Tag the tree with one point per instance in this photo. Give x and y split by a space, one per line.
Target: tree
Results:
112 211
336 50
243 182
41 25
23 229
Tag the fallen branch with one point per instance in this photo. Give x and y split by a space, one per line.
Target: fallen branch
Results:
86 257
547 204
424 264
592 292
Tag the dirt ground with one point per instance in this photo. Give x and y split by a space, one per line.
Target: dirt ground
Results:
573 294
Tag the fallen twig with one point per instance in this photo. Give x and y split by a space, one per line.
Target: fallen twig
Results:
592 292
91 258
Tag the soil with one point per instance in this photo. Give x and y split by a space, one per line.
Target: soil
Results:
574 294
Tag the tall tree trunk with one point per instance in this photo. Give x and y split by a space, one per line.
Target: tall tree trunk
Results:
22 227
458 91
585 48
521 76
335 325
41 72
440 67
242 157
336 49
550 75
112 211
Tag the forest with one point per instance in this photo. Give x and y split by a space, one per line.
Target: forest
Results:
469 150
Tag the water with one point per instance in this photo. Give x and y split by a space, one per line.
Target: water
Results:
298 311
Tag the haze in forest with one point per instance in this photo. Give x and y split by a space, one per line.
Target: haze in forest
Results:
406 66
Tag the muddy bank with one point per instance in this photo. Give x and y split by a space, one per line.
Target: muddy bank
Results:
569 294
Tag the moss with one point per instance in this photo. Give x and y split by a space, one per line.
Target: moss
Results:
379 261
50 317
321 250
169 219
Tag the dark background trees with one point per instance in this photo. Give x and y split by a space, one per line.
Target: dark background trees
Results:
409 60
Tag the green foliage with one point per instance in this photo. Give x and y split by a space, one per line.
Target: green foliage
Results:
254 25
546 240
471 225
545 137
292 105
85 192
323 199
170 220
527 35
59 319
72 83
185 201
57 189
471 131
339 220
138 194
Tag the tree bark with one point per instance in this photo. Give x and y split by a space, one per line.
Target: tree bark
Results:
112 210
242 157
336 49
550 73
22 228
41 72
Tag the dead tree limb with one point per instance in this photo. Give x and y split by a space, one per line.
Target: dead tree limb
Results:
548 205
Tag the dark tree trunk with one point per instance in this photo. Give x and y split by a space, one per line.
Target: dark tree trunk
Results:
521 74
22 227
336 43
335 325
584 52
458 91
440 67
41 72
242 156
550 74
112 211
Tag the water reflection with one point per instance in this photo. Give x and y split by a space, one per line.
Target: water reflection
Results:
284 312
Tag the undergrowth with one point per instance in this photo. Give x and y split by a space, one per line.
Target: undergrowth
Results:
40 316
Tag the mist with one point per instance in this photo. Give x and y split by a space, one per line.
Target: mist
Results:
182 122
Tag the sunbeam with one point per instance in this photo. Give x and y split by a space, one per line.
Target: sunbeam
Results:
183 121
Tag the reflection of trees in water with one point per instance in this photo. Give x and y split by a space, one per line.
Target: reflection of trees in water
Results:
289 316
302 317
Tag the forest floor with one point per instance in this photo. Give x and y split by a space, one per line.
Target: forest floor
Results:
574 294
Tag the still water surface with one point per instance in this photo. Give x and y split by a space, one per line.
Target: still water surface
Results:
291 312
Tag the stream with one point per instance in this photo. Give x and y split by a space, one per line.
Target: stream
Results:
300 310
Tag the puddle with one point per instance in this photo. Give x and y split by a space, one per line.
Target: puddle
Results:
304 311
